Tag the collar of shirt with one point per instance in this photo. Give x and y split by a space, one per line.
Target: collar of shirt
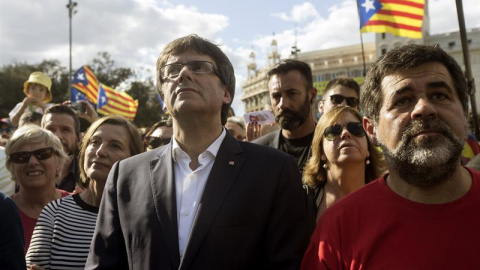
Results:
189 186
179 156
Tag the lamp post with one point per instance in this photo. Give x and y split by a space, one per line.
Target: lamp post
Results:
71 10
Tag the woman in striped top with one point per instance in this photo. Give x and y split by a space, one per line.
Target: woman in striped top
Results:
64 230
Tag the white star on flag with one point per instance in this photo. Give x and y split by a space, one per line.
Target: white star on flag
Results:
368 4
81 76
104 100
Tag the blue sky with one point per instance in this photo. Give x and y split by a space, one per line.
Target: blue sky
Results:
135 31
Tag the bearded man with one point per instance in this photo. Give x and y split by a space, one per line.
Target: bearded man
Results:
292 95
422 214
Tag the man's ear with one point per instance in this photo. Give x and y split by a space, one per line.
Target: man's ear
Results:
79 138
227 98
369 127
312 92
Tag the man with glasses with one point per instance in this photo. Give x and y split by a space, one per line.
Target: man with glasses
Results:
292 95
422 214
339 91
205 200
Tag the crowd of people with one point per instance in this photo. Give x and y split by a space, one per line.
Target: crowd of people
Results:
377 182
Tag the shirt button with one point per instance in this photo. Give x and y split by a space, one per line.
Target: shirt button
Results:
185 213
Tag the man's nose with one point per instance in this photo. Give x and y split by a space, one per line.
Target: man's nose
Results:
423 109
185 73
283 103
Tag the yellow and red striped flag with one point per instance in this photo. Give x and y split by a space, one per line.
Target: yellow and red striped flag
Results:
111 102
398 17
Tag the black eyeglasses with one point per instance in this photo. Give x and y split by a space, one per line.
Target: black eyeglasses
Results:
171 71
332 132
40 154
338 99
154 142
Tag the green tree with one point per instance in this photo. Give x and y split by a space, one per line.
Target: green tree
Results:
104 68
149 110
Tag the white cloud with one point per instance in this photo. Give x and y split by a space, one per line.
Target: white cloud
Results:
135 31
299 13
340 28
443 15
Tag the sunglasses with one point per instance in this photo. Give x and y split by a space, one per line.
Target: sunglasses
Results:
332 132
338 99
40 154
154 142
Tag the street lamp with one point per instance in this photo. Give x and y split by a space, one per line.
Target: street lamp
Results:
71 10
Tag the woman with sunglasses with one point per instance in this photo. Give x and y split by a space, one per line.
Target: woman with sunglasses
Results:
343 159
35 158
62 237
159 134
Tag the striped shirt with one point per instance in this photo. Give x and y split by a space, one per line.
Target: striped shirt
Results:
62 236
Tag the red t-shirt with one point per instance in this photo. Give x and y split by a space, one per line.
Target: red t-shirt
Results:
374 228
28 223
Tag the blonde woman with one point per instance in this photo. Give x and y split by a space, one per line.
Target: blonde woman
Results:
35 158
343 158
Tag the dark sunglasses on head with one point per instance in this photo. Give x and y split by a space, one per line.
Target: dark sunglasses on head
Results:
40 154
154 142
332 132
338 99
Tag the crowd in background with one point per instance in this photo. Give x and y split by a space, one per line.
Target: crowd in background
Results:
365 150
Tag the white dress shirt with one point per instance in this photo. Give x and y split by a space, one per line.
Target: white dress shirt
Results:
189 186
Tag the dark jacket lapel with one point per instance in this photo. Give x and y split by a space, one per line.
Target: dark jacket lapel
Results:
275 143
163 190
223 174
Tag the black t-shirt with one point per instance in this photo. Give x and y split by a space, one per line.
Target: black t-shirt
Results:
299 148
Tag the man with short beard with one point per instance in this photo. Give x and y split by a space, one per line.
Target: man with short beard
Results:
64 123
422 214
292 95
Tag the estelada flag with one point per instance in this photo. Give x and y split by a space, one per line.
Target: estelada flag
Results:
111 102
398 17
86 82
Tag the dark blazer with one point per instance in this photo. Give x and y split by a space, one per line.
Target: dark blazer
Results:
271 139
251 216
12 254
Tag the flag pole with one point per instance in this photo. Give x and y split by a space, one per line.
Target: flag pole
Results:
363 56
468 69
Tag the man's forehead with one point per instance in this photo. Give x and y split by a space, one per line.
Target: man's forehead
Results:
188 56
285 80
426 72
341 90
59 119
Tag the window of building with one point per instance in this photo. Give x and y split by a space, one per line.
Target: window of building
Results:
451 44
384 51
383 35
